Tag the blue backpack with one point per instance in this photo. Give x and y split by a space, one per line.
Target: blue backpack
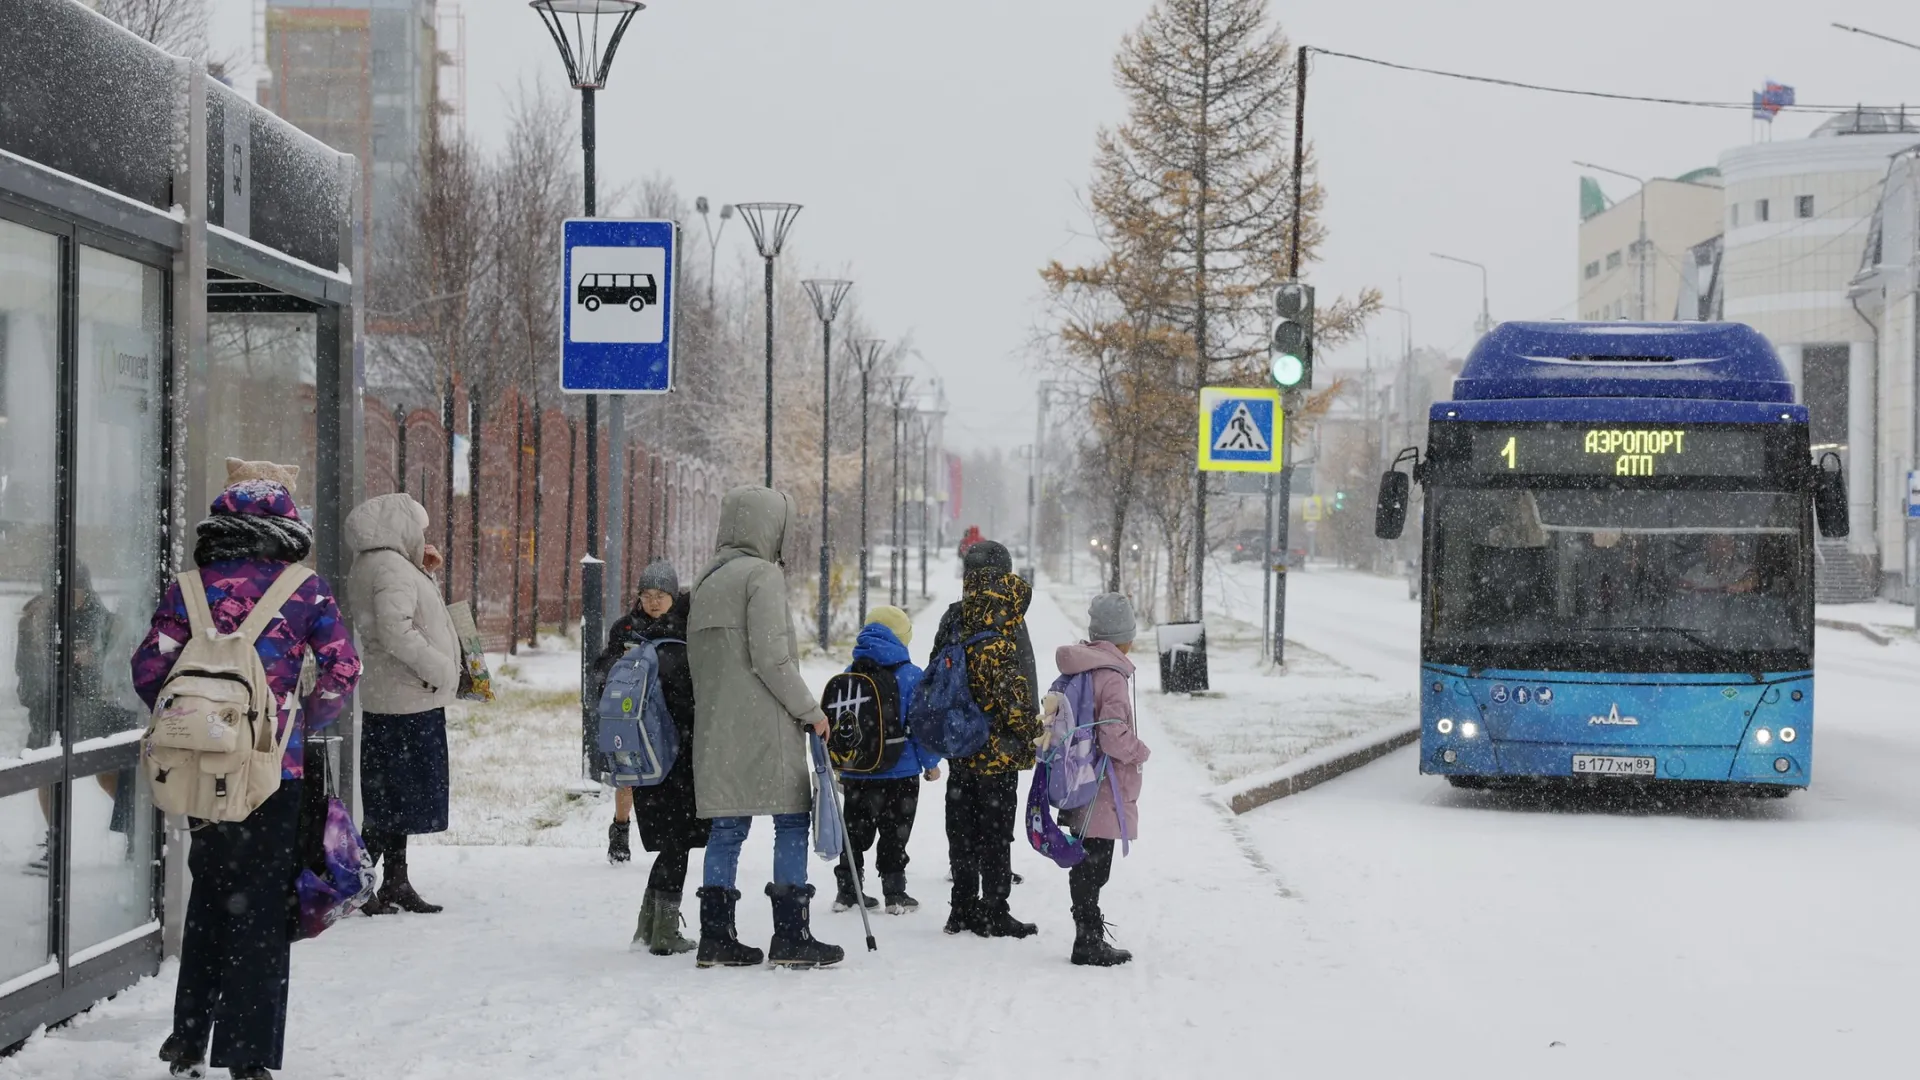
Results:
944 718
637 732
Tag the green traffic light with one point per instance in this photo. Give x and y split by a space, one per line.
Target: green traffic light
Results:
1288 370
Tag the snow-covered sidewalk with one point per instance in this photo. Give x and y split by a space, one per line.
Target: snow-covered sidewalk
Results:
527 973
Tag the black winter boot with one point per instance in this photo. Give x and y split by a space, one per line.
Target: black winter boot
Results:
843 897
396 890
719 944
960 918
894 888
992 919
250 1072
1090 948
185 1059
618 849
793 944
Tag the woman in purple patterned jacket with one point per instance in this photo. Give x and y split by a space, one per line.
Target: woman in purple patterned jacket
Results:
234 959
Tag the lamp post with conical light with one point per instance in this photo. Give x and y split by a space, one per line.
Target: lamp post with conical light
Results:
866 353
587 47
827 295
769 222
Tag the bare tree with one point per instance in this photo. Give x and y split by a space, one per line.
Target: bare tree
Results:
178 26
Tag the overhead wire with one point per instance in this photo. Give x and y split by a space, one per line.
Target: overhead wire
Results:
1605 95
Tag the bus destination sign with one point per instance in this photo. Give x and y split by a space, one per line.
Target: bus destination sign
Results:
1626 451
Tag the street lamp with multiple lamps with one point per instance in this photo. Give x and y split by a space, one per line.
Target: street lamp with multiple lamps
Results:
769 222
1486 320
575 26
827 295
1640 253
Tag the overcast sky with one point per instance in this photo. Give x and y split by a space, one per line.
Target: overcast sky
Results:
941 149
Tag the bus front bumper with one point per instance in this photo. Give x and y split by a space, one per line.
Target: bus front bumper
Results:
1457 754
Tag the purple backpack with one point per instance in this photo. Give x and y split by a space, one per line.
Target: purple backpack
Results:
1075 765
349 878
1046 837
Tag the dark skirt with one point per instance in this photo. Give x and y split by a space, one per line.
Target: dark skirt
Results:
403 772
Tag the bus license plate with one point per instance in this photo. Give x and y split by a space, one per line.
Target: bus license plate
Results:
1601 765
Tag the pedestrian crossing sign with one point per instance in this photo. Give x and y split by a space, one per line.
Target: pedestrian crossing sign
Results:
1240 429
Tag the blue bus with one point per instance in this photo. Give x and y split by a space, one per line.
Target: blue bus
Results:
1617 560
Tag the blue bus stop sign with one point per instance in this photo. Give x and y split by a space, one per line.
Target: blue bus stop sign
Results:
616 326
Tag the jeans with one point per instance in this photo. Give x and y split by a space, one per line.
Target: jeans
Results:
789 849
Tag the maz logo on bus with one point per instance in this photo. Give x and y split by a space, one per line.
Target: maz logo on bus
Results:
1614 719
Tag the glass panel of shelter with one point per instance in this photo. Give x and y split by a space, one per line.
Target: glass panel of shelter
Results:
119 531
29 373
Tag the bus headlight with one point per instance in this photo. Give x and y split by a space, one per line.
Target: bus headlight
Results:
1762 736
1444 727
1787 734
1468 729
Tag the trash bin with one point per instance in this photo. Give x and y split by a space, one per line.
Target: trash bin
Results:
1183 657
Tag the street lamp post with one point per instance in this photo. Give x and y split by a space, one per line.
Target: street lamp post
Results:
700 206
1486 320
826 294
896 574
866 353
769 222
927 422
1640 253
575 26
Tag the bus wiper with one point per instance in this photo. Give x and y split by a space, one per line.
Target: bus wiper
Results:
1687 632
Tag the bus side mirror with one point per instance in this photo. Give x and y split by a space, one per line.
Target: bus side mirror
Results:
1830 497
1390 513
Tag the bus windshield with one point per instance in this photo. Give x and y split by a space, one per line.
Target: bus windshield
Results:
1618 579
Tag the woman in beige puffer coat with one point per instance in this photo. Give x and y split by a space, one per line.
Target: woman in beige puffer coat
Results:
411 659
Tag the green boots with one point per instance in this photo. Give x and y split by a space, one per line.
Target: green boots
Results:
659 928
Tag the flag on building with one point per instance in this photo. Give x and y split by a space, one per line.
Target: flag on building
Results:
1770 99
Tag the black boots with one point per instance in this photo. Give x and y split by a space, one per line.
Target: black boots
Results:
843 898
719 943
184 1059
960 918
618 849
894 888
793 944
396 890
1090 948
992 919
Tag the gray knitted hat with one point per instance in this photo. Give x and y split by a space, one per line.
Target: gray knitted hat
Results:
659 575
1110 618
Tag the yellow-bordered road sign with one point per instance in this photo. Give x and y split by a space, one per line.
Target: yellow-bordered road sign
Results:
1241 429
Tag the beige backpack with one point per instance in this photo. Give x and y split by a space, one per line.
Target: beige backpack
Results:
211 751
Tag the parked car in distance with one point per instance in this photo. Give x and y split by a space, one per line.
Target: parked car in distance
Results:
1247 544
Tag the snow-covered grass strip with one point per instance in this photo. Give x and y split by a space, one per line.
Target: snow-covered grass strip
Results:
1314 768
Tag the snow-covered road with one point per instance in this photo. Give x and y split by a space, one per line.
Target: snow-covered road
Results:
1378 925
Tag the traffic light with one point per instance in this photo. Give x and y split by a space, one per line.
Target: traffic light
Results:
1339 500
1290 345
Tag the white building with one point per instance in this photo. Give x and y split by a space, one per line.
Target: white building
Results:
1885 290
1799 215
1616 275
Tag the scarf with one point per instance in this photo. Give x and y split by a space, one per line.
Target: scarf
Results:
226 537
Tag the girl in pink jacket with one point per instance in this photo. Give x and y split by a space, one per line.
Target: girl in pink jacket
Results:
1110 629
